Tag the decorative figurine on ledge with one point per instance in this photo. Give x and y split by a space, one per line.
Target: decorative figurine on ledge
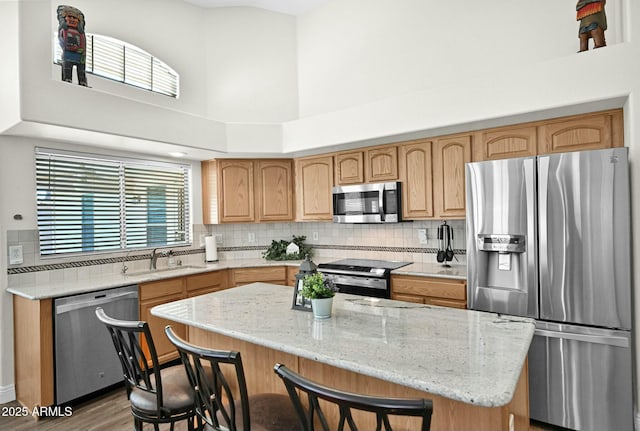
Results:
593 23
73 43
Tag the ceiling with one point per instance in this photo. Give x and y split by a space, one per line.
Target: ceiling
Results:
291 7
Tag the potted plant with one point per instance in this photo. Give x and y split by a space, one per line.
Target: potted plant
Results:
320 291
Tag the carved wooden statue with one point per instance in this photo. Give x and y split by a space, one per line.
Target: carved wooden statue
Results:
73 42
593 23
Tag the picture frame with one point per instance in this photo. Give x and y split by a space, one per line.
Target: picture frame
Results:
299 301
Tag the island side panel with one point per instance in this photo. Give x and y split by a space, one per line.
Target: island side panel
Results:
33 341
258 361
449 415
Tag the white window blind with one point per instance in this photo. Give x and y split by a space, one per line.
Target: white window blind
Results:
89 203
120 61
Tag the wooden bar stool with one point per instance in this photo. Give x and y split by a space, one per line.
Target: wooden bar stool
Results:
311 413
222 400
156 397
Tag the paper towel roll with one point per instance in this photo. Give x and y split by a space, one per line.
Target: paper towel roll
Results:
210 249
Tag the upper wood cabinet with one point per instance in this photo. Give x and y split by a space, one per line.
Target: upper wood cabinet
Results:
314 184
349 168
235 191
415 172
274 190
449 157
381 164
240 190
585 132
505 143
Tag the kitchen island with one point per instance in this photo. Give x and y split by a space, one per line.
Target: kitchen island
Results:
471 364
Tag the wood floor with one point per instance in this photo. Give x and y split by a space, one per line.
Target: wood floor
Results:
108 412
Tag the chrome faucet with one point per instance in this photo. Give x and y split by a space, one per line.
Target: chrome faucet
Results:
154 259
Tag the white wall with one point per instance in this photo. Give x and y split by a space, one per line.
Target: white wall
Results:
17 196
122 110
251 65
9 72
373 68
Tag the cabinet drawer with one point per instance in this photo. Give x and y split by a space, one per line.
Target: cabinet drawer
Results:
428 286
264 274
158 289
215 279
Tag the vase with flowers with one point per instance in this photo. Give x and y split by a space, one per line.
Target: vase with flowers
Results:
320 291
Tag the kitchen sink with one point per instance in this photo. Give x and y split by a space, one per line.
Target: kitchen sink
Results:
162 270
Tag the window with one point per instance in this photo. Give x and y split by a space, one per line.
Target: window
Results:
120 61
90 203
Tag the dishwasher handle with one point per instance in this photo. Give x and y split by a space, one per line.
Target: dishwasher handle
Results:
98 300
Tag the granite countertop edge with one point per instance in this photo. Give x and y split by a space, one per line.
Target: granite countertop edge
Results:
486 396
47 290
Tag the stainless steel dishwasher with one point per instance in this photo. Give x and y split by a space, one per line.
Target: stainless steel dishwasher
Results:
85 359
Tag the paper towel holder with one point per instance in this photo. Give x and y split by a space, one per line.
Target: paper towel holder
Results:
210 249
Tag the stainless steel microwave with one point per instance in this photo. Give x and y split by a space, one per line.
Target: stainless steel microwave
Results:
367 203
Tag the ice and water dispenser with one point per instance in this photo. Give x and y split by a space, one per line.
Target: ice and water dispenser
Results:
501 272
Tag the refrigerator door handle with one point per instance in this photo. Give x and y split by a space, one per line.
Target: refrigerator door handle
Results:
610 340
543 190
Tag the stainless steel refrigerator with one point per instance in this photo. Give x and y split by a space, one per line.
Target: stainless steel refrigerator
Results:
548 237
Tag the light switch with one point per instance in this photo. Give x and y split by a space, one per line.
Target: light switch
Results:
15 254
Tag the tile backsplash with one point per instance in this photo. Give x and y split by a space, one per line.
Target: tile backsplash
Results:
246 241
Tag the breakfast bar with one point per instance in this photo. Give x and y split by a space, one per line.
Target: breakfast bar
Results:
471 364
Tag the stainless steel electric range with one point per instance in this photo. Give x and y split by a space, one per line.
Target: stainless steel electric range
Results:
367 277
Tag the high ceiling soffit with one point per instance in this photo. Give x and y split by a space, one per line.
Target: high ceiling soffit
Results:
290 7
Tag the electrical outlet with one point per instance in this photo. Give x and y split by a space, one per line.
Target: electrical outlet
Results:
15 255
218 237
252 237
202 237
422 236
315 236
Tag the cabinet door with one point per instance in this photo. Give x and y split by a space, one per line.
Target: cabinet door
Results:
349 168
207 282
269 274
449 158
417 179
156 293
314 183
235 191
274 190
587 132
506 142
209 191
381 164
436 291
165 350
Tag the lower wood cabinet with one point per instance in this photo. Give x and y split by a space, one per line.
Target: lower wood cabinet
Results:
429 290
199 284
292 271
157 293
265 274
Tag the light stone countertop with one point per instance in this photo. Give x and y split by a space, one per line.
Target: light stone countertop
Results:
108 281
469 356
37 291
456 270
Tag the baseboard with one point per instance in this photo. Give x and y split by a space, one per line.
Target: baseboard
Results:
7 393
